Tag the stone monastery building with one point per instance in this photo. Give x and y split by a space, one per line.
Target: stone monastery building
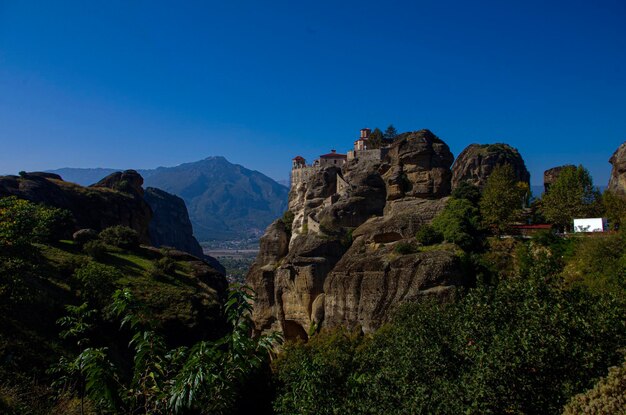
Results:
301 172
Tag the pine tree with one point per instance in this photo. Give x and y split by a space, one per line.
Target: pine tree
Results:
390 133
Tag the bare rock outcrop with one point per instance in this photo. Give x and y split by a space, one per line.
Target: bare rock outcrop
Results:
114 201
419 166
336 263
371 279
170 224
617 182
477 161
551 175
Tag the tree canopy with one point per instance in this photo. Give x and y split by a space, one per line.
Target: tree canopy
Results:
502 198
571 196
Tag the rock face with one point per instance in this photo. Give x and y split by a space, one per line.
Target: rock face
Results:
617 182
170 225
551 175
336 263
116 200
477 161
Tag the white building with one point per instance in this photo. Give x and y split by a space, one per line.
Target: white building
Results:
591 225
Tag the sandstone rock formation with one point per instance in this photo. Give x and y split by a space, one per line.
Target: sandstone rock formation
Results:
336 263
116 200
477 161
551 175
617 182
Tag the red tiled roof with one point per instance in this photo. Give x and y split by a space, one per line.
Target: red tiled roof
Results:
537 226
298 158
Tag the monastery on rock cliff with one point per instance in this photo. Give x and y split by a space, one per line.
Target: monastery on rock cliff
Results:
301 172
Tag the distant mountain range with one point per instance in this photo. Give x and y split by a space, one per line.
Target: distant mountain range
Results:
225 201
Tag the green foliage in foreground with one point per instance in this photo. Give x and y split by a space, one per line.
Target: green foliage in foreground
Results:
521 347
205 378
608 396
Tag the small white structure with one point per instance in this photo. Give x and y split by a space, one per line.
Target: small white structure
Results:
591 225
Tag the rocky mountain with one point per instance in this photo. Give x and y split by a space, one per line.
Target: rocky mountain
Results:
337 262
170 225
476 162
617 181
115 200
225 201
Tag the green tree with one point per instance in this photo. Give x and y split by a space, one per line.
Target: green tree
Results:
459 223
375 139
571 196
501 199
390 133
467 191
614 206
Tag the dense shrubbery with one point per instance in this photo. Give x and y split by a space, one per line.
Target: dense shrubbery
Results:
404 248
521 347
95 249
459 223
97 283
427 235
23 222
120 236
313 377
205 378
597 264
608 396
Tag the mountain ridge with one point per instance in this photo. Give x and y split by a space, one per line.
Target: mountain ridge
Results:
226 201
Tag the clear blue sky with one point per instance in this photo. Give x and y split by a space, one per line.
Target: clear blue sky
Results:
147 83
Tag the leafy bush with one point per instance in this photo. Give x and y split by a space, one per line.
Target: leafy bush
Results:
23 222
95 249
120 236
427 235
162 267
313 377
206 378
404 248
520 347
97 283
608 396
467 191
287 219
459 223
598 264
